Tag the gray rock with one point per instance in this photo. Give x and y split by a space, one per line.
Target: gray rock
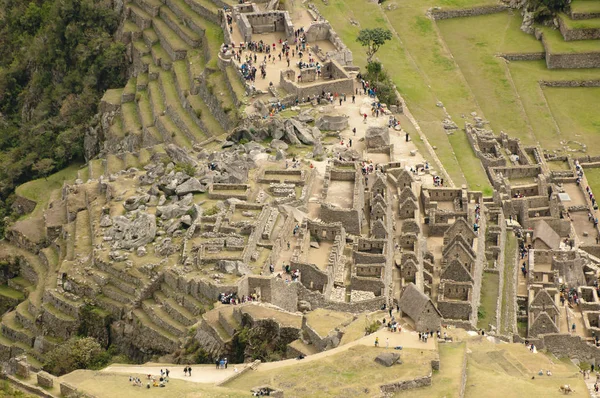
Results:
141 251
233 267
130 233
186 220
318 149
304 306
179 155
278 144
303 132
332 123
314 244
227 144
280 154
190 186
387 358
377 136
134 202
105 221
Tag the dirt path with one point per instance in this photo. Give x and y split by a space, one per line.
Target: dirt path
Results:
200 373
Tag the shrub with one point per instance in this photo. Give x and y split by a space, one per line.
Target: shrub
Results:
372 328
212 211
185 167
481 313
76 353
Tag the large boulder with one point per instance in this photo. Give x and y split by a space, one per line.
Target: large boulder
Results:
180 155
387 358
233 267
377 136
190 186
134 202
332 123
131 233
303 132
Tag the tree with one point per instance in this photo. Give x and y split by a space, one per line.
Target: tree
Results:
373 39
76 353
43 167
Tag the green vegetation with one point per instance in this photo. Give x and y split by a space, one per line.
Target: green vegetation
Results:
7 391
546 9
489 296
76 353
508 310
373 39
58 59
11 293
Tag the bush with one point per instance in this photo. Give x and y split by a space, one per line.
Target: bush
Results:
76 353
372 328
212 211
481 313
187 168
381 82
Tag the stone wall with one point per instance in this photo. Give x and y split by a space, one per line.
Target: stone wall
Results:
318 300
523 56
374 285
577 34
403 385
438 14
570 83
310 276
568 61
340 83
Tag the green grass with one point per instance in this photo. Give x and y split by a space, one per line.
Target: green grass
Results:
593 178
131 120
145 109
585 6
575 109
164 31
445 383
39 190
349 373
11 293
593 23
556 44
113 96
508 304
489 299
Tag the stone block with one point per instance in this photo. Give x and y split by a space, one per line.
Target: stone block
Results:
45 380
387 358
67 390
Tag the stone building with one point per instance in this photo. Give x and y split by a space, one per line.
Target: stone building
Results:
420 309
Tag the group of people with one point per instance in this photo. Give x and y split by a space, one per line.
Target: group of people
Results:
234 299
221 363
152 381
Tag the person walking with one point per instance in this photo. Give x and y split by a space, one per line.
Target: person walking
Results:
189 371
387 342
376 341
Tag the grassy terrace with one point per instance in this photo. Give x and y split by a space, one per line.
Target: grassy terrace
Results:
113 96
348 373
489 298
446 381
145 109
38 190
11 293
593 23
556 44
585 6
508 310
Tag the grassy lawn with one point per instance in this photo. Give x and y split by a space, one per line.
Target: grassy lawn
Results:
324 321
489 298
349 373
593 23
506 371
102 384
508 309
446 381
593 178
11 293
583 6
557 45
39 190
575 109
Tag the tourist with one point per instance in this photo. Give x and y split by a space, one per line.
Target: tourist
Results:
376 341
387 342
189 371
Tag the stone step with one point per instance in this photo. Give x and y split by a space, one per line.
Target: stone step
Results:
14 330
174 309
113 306
150 37
170 40
116 294
166 338
167 129
116 128
212 320
151 7
114 164
96 169
83 240
584 9
141 47
586 29
131 160
131 119
138 16
141 82
21 284
176 111
204 7
298 347
160 317
128 94
144 109
227 321
161 58
190 37
192 304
